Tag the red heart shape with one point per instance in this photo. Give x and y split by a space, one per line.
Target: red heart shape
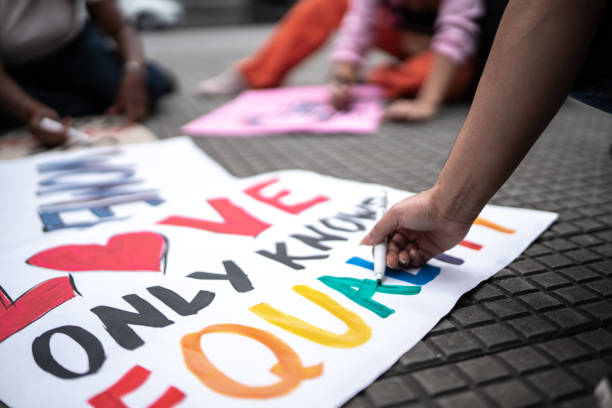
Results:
134 251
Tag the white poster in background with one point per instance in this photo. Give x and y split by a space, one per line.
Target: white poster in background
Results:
55 192
256 295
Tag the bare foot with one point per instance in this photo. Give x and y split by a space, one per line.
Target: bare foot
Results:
229 81
410 110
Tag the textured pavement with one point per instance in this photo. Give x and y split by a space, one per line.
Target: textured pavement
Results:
540 331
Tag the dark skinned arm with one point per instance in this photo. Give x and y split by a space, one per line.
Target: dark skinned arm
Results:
22 106
132 94
536 56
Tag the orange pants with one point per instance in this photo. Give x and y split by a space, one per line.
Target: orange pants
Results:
308 25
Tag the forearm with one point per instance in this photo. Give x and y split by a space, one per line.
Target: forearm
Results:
15 100
438 80
537 53
109 17
355 34
129 44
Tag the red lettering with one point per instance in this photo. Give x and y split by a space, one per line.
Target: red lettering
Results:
471 245
255 192
33 304
236 220
111 397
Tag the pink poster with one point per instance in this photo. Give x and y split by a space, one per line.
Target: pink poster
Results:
296 109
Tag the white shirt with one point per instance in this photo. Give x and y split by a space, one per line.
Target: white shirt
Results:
30 29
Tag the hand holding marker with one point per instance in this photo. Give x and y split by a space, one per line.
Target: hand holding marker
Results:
74 136
380 250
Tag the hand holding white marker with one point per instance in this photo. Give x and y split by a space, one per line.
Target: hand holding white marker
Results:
74 136
380 250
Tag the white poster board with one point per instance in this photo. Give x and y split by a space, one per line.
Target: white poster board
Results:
255 293
55 192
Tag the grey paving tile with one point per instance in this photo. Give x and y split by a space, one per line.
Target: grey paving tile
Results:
439 379
532 327
604 250
573 202
503 274
576 295
565 228
580 402
589 224
516 286
487 292
591 210
359 401
592 371
525 359
537 250
560 244
601 311
605 235
455 344
495 335
579 273
483 369
512 393
555 260
389 391
548 234
540 301
550 280
463 400
507 308
606 219
567 215
599 340
556 383
583 255
569 319
586 240
602 286
564 350
527 267
471 316
604 267
419 355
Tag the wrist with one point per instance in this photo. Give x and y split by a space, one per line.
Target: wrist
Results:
344 72
429 100
342 79
28 110
455 203
133 66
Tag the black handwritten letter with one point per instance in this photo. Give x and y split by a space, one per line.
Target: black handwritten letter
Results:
175 302
116 321
41 350
315 242
281 256
239 280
